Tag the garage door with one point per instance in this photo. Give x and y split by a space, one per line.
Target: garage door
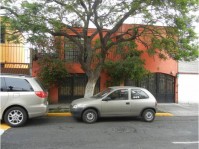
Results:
162 86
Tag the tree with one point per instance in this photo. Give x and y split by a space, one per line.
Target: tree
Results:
52 71
130 65
46 18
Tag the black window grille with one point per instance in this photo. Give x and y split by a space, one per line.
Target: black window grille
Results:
72 55
72 50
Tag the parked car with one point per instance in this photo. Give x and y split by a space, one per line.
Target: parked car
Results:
116 101
22 97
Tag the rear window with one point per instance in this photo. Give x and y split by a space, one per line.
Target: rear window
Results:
17 85
41 85
138 94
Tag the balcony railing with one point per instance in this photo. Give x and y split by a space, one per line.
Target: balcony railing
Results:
14 58
14 53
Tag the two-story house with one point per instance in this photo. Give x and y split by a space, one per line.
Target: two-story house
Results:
162 82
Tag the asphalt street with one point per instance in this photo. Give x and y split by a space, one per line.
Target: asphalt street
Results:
110 133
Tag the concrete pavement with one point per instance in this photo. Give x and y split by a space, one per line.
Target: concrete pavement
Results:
179 109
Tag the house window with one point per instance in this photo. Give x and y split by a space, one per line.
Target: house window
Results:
71 55
71 49
2 34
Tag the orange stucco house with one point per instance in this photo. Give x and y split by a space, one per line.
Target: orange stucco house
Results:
162 83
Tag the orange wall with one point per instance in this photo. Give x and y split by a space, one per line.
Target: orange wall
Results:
155 64
53 94
35 68
74 68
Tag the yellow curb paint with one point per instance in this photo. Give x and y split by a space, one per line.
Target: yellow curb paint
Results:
4 126
164 114
69 114
59 114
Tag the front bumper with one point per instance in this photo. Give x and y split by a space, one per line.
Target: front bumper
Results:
76 112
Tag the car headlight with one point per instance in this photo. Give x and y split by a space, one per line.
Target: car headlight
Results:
78 106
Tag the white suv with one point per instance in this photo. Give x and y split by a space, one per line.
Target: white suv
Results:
21 97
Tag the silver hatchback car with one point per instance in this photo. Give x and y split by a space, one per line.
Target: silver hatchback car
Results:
21 97
116 101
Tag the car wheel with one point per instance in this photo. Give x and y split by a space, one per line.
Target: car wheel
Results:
148 115
89 116
15 117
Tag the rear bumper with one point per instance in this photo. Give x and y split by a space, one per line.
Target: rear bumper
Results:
36 111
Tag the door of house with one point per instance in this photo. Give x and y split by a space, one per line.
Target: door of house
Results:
165 88
74 88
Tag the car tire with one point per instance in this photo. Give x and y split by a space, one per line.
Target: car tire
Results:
90 116
15 117
148 115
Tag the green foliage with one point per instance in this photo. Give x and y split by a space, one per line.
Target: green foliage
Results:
44 18
52 71
131 66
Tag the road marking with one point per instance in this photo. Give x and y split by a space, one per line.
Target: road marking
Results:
3 128
190 142
1 132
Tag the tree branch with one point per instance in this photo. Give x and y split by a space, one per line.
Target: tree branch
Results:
10 10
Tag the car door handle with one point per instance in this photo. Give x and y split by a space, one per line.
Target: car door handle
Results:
127 103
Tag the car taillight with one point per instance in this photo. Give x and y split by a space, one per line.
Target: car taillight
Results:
41 94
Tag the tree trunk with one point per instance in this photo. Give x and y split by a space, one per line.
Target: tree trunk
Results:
90 86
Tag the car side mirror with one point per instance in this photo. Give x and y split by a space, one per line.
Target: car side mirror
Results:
107 99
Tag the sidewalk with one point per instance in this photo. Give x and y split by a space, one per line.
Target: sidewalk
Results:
164 109
179 109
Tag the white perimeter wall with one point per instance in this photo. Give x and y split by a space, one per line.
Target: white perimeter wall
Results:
188 88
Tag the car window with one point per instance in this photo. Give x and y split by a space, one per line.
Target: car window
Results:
17 85
103 93
41 85
138 94
3 86
119 95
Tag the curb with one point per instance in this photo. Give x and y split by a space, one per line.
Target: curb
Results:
59 114
164 114
4 127
68 114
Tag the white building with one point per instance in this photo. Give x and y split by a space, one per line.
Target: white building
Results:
188 82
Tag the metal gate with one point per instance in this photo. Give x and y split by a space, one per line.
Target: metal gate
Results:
165 88
74 88
162 86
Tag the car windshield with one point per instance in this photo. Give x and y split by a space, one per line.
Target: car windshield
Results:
103 93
